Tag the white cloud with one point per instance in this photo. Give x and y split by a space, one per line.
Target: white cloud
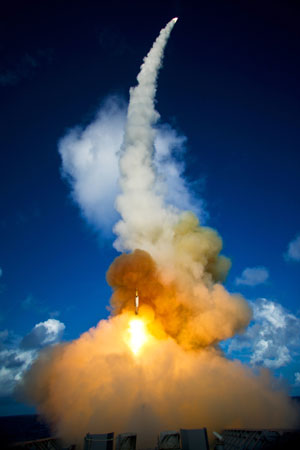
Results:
43 333
293 251
90 158
17 354
13 363
297 378
252 276
272 337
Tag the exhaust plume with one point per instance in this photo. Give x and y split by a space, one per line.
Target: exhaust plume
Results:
163 368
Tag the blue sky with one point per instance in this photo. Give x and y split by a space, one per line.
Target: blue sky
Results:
229 85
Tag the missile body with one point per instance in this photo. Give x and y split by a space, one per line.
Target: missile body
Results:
136 302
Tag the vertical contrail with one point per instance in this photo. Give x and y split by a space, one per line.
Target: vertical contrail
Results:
139 205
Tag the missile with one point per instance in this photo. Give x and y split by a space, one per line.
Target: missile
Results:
175 19
136 301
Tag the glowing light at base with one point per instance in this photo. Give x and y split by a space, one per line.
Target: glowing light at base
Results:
137 335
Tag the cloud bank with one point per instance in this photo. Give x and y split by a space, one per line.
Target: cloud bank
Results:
17 354
272 339
43 333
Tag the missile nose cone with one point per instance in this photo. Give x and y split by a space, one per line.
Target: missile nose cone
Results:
175 19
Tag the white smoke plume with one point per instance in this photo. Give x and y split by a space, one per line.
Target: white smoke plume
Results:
90 163
141 207
179 377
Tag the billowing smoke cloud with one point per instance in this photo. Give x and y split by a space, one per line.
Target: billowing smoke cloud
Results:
179 377
96 384
194 310
90 163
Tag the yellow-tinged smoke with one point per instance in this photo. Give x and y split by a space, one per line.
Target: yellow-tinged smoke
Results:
194 313
97 384
162 369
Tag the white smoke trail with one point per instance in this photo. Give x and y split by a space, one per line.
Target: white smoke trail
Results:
140 205
90 164
185 253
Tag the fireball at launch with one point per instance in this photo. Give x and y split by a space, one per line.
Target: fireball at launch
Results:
138 335
155 363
